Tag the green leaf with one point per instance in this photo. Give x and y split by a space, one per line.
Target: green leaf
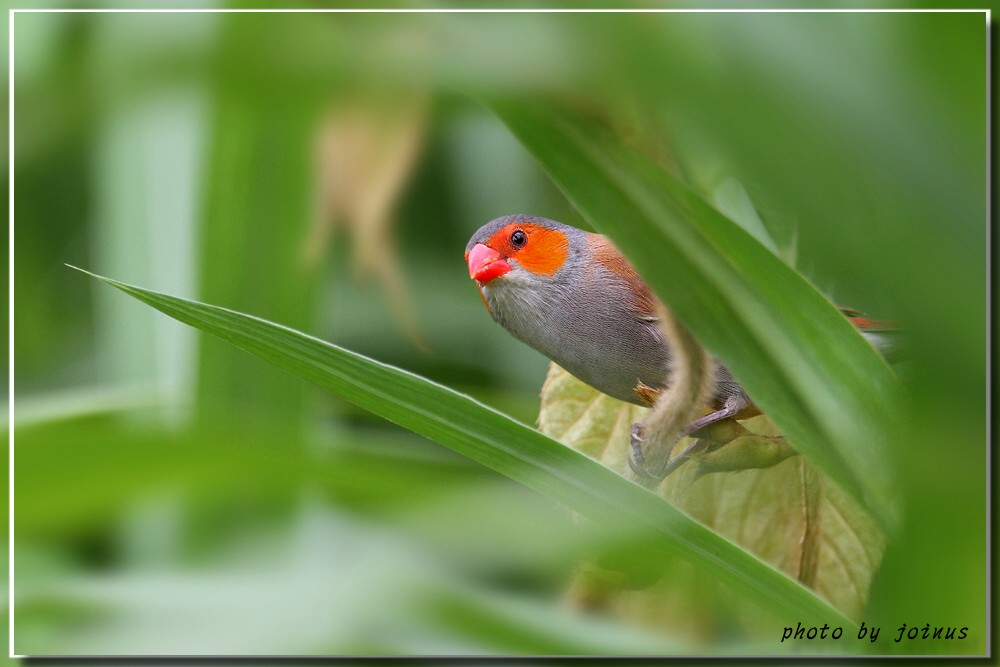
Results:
796 355
503 444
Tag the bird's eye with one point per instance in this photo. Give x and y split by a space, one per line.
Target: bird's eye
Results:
518 238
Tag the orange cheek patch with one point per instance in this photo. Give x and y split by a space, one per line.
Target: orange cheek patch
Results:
545 252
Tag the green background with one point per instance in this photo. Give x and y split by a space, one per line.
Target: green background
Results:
176 496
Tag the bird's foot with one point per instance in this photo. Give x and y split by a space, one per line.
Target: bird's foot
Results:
689 452
637 461
751 450
649 475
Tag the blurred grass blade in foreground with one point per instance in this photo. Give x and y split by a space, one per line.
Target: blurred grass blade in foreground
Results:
505 445
798 357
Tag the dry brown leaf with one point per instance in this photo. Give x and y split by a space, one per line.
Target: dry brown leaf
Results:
788 514
366 150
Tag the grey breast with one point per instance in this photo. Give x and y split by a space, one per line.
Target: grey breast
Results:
587 325
615 347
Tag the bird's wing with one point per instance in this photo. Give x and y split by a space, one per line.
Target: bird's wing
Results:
614 261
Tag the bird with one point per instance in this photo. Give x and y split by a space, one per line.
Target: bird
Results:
573 296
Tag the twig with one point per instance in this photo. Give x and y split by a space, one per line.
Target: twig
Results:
691 381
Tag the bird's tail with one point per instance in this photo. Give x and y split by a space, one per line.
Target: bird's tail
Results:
884 335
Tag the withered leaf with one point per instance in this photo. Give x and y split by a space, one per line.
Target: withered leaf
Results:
788 514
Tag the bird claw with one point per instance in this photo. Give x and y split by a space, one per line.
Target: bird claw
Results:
635 459
714 436
637 435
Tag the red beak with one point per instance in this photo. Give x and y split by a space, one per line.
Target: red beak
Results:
485 264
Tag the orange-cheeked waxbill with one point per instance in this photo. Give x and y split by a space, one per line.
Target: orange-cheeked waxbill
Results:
573 296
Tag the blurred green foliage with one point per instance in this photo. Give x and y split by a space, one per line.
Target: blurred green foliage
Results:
616 509
174 495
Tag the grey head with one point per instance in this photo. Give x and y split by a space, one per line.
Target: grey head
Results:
544 258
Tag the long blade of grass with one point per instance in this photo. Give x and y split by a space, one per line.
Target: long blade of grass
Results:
797 356
500 443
